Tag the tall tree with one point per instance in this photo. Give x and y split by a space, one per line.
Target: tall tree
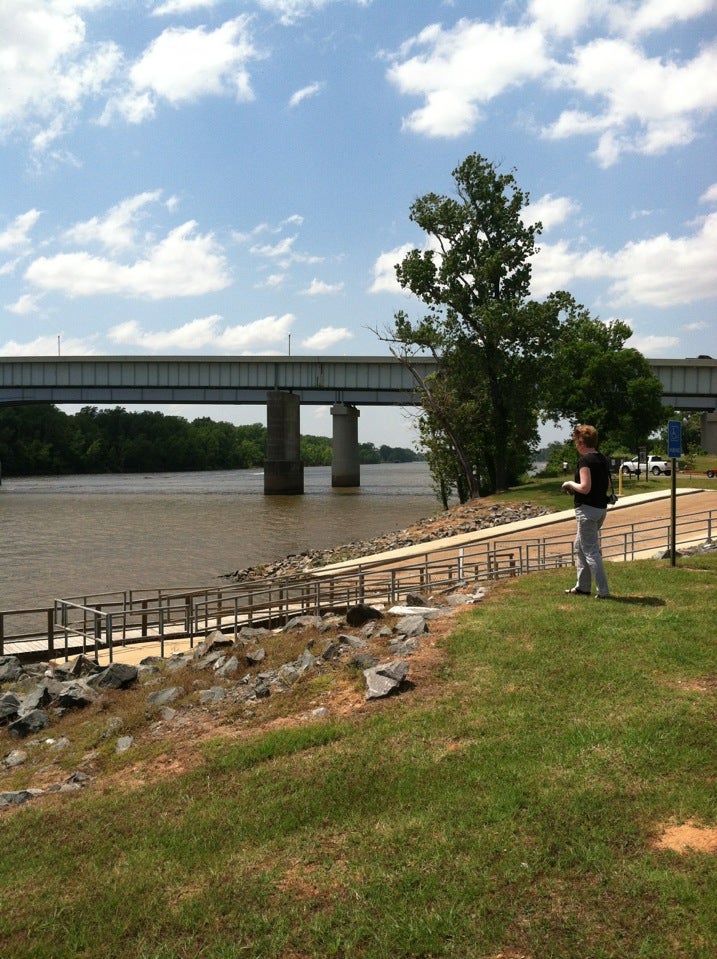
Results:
594 378
490 340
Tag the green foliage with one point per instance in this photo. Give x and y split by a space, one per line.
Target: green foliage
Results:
489 338
315 450
593 378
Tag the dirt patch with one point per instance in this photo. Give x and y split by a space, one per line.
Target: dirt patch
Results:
688 837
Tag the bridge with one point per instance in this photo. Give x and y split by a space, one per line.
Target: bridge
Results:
285 383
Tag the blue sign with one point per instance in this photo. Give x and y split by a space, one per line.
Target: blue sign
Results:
674 439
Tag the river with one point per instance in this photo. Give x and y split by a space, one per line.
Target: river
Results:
71 536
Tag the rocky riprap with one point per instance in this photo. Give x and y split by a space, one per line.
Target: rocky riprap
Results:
466 518
231 670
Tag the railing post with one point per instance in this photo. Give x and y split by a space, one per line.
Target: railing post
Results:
108 634
50 633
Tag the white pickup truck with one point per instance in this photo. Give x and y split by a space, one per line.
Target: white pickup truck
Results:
655 465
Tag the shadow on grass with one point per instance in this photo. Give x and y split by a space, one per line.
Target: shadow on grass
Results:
639 600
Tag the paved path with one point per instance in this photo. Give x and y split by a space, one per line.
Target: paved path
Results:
642 508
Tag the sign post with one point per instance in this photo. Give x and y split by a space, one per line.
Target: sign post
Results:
674 451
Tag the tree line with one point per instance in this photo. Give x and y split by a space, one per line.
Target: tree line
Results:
43 440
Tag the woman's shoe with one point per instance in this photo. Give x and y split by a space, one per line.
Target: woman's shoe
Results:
602 595
578 592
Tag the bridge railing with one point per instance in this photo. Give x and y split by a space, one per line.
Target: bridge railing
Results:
110 620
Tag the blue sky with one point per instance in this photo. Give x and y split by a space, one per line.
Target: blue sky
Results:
226 177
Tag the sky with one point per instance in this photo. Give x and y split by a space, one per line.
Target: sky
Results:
189 177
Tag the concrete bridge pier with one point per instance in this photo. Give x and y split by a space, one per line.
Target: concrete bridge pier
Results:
283 468
345 466
709 432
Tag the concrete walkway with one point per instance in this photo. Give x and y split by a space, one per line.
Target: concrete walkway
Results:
638 508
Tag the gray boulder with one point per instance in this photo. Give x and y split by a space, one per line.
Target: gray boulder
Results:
10 669
9 708
33 722
19 797
164 696
214 695
411 626
76 695
115 676
385 679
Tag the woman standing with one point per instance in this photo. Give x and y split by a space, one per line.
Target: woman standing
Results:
589 489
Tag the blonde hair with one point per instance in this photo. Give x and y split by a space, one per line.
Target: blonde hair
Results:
587 435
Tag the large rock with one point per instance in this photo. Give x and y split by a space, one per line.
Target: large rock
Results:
384 679
32 722
361 614
115 676
9 707
164 696
75 695
412 626
10 669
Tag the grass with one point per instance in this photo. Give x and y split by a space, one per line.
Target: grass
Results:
511 810
546 491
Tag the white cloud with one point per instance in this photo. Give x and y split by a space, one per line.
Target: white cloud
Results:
48 346
654 346
182 65
649 16
384 270
272 282
117 229
327 337
24 305
289 11
312 90
283 253
183 6
563 19
190 336
206 333
558 264
319 288
710 195
665 271
660 271
48 68
273 251
182 264
457 70
551 210
261 334
648 104
15 238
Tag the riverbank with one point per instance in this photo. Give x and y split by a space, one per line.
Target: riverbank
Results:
463 518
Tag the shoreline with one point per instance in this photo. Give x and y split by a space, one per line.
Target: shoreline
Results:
456 520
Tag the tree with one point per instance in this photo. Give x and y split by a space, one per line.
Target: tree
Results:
490 341
594 378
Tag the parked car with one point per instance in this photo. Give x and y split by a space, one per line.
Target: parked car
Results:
655 465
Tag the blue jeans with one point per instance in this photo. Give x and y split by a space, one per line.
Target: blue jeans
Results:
587 549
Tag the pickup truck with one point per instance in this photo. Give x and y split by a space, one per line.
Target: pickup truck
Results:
655 464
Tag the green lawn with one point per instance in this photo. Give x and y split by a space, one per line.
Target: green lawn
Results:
512 810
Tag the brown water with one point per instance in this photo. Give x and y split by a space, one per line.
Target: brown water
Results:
78 535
